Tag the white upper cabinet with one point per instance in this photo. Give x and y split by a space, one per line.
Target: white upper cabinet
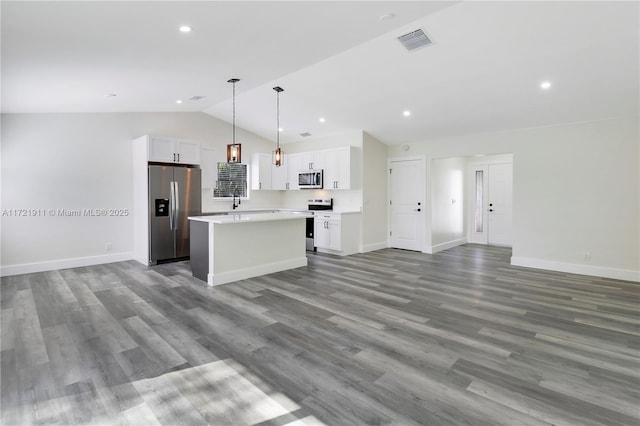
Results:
209 158
338 166
279 175
319 160
343 167
294 166
313 160
306 160
261 172
161 149
168 150
188 152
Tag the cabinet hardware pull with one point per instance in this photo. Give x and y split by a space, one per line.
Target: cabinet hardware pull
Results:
178 157
174 156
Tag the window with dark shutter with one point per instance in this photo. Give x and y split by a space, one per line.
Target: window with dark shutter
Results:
232 180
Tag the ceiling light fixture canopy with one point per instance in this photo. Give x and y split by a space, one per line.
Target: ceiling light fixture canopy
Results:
234 150
278 158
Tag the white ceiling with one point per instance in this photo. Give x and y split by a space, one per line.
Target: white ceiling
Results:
334 59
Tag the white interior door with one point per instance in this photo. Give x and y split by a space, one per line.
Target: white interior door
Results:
406 204
500 200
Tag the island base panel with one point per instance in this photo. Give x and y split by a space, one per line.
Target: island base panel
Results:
199 245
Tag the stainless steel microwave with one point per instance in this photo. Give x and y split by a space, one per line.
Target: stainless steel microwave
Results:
310 179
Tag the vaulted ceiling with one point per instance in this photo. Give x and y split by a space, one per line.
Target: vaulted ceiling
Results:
338 60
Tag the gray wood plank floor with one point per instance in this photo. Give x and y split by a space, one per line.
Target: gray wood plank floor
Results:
387 337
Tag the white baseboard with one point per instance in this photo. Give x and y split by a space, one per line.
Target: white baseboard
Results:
574 268
241 274
52 265
373 246
336 252
448 245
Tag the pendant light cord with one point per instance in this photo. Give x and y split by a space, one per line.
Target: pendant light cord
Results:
278 120
234 81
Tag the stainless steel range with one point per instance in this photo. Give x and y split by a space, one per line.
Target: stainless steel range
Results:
316 204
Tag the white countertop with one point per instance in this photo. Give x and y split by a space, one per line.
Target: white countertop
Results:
276 210
245 217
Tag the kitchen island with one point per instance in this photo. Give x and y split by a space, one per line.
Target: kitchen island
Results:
232 247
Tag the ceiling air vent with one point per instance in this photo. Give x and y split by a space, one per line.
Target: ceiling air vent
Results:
195 98
305 134
414 40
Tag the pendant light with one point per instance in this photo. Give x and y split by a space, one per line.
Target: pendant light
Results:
278 158
234 150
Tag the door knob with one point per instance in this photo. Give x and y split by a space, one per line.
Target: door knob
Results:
490 210
418 210
419 204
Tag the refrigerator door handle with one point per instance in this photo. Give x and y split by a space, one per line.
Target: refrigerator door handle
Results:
172 204
176 203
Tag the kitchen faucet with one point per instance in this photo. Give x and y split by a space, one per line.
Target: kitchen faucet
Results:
235 206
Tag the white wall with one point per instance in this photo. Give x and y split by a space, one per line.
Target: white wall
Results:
576 190
447 203
374 194
78 161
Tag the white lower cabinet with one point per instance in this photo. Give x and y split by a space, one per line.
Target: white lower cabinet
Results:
327 231
337 233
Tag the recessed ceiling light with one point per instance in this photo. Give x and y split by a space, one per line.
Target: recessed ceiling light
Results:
406 113
321 119
185 29
387 16
545 85
178 101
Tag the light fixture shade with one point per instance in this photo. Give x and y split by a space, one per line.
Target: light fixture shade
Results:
234 153
278 157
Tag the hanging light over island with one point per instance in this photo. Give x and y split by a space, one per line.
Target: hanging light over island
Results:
234 150
278 158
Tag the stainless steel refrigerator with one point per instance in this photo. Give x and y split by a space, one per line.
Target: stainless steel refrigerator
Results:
174 195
